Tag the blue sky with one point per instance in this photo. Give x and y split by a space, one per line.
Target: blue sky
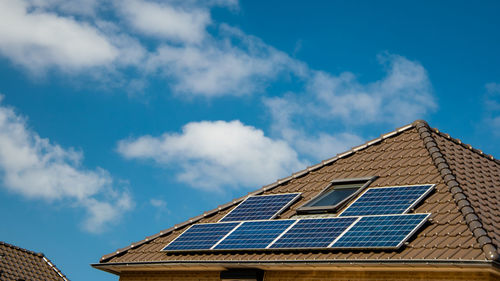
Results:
120 119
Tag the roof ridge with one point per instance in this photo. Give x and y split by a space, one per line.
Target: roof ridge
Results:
268 187
37 254
463 204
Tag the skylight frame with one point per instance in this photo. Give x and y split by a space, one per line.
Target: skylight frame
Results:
305 209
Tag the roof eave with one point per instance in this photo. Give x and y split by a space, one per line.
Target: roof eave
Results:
329 265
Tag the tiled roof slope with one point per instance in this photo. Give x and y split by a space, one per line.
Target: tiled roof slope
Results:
409 155
479 177
21 264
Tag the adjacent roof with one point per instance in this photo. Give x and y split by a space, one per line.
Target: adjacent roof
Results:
464 225
21 264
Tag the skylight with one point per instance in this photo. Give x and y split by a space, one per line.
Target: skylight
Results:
336 195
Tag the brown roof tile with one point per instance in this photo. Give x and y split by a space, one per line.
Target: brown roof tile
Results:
463 224
21 264
479 178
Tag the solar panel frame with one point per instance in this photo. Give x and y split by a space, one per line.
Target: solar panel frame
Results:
397 246
429 189
309 232
252 235
276 213
190 228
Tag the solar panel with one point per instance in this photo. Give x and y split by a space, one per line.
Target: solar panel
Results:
254 234
262 207
201 236
387 200
313 233
389 231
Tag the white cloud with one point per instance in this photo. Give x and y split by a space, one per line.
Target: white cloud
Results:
40 34
37 39
212 71
158 203
76 7
495 124
166 21
100 213
193 61
130 50
220 67
492 100
197 63
35 168
161 208
228 3
319 146
492 108
403 95
492 87
212 155
324 145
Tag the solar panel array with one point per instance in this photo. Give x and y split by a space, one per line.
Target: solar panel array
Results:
387 231
254 234
381 231
369 223
313 233
387 200
263 207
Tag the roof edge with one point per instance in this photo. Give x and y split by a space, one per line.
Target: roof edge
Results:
349 261
268 187
463 204
459 262
54 267
464 145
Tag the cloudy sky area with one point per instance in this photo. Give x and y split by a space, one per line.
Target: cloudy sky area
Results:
120 119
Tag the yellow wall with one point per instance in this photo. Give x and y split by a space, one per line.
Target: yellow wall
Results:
315 276
375 275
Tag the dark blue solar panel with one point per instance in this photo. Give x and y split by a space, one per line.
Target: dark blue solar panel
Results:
313 233
260 207
387 200
201 236
381 231
254 234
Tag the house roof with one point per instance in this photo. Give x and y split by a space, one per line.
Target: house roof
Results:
20 264
464 207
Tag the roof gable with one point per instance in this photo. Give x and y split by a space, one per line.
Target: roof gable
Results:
404 157
21 264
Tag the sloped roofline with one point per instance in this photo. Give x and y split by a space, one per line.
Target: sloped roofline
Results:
424 130
40 255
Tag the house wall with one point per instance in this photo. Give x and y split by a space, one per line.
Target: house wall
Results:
374 275
316 276
172 275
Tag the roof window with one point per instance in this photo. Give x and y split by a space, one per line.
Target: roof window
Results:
336 195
